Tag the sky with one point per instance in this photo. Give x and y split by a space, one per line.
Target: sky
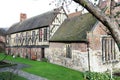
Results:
10 10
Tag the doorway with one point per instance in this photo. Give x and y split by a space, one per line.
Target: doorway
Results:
42 52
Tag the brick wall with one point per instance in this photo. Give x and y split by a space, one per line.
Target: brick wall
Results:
94 37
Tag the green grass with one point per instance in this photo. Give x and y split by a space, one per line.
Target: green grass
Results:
10 76
47 70
117 78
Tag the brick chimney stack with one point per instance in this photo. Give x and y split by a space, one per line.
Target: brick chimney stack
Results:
23 16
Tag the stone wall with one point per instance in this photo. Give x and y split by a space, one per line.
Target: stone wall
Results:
97 65
95 40
56 54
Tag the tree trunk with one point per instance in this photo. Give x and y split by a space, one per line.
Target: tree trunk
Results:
107 21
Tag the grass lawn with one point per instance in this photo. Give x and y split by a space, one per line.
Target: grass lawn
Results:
10 76
117 78
47 70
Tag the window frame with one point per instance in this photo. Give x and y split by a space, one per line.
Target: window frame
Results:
68 50
40 34
109 54
45 33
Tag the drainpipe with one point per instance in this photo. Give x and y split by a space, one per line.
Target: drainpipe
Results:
88 56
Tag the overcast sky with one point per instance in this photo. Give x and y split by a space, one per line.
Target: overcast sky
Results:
11 9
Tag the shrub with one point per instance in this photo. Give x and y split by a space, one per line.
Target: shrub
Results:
96 76
44 60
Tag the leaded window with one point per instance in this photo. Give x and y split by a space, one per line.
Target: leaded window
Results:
40 34
26 40
33 36
21 38
108 49
16 39
45 34
68 51
7 40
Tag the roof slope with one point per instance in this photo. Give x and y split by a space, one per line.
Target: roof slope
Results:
2 31
75 28
74 14
42 20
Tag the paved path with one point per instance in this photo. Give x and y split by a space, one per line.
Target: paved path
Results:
17 70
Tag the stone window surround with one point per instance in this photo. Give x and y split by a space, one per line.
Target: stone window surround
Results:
103 55
68 50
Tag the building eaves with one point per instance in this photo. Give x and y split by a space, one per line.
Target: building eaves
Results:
39 21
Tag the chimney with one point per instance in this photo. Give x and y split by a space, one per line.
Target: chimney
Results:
23 16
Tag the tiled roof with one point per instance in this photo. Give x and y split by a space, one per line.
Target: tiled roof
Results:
2 32
74 29
42 20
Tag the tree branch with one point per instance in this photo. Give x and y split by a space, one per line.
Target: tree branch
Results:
117 4
110 23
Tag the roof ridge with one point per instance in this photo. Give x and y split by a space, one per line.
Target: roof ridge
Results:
40 20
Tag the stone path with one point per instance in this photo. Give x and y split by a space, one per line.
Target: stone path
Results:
17 70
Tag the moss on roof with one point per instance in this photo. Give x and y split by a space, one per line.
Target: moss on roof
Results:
75 29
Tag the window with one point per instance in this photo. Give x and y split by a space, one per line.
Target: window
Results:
45 34
68 51
26 40
108 49
21 38
37 36
7 40
29 37
40 34
16 39
33 36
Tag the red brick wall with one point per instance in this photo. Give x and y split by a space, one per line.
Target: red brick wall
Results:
94 37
